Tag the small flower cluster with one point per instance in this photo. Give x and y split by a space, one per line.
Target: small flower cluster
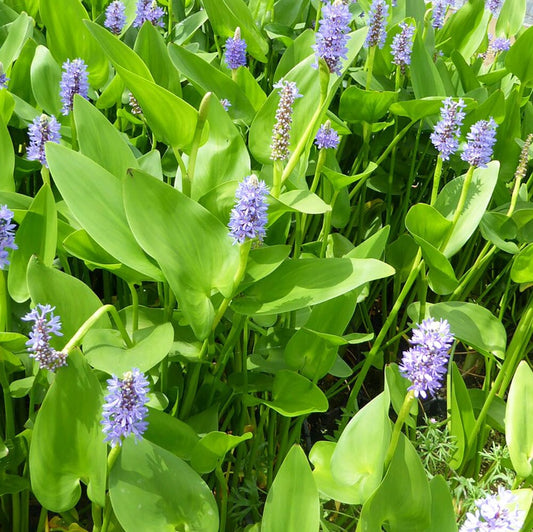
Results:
326 137
3 80
402 46
225 103
499 44
445 136
481 139
235 51
496 512
148 10
494 6
439 12
521 169
74 80
425 363
39 342
377 22
124 410
332 35
115 17
282 128
43 129
7 235
249 216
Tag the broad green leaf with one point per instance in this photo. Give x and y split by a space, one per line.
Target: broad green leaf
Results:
297 201
522 268
477 199
320 457
200 73
357 460
18 32
340 181
402 501
212 448
511 17
100 141
442 510
45 78
294 395
171 119
518 429
105 350
67 444
424 74
151 485
95 196
474 325
299 49
426 222
300 283
73 300
263 261
36 235
417 109
518 59
500 229
171 434
7 156
152 49
292 501
358 105
68 38
117 52
185 29
195 257
226 15
461 420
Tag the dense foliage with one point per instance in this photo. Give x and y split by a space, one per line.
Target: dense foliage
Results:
266 265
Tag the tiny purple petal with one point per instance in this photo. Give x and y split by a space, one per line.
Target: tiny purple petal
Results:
124 410
480 142
494 6
3 81
249 216
326 137
225 103
148 10
7 235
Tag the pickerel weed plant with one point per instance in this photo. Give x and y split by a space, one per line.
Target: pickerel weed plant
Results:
266 266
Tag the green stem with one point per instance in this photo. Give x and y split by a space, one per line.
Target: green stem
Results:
396 431
223 486
436 180
327 225
370 66
277 172
45 174
134 307
82 331
417 266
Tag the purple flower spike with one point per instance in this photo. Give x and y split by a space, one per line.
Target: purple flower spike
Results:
445 136
236 51
74 80
326 137
377 22
402 46
332 36
426 362
439 12
124 409
7 235
115 17
496 512
249 216
43 129
494 6
481 139
282 128
148 10
39 342
499 44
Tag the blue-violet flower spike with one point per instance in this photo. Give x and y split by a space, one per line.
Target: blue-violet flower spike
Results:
43 129
75 80
326 137
377 22
499 44
115 14
439 12
332 35
494 6
148 10
249 216
445 136
39 343
496 512
7 235
236 51
124 410
480 141
426 362
282 128
402 46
